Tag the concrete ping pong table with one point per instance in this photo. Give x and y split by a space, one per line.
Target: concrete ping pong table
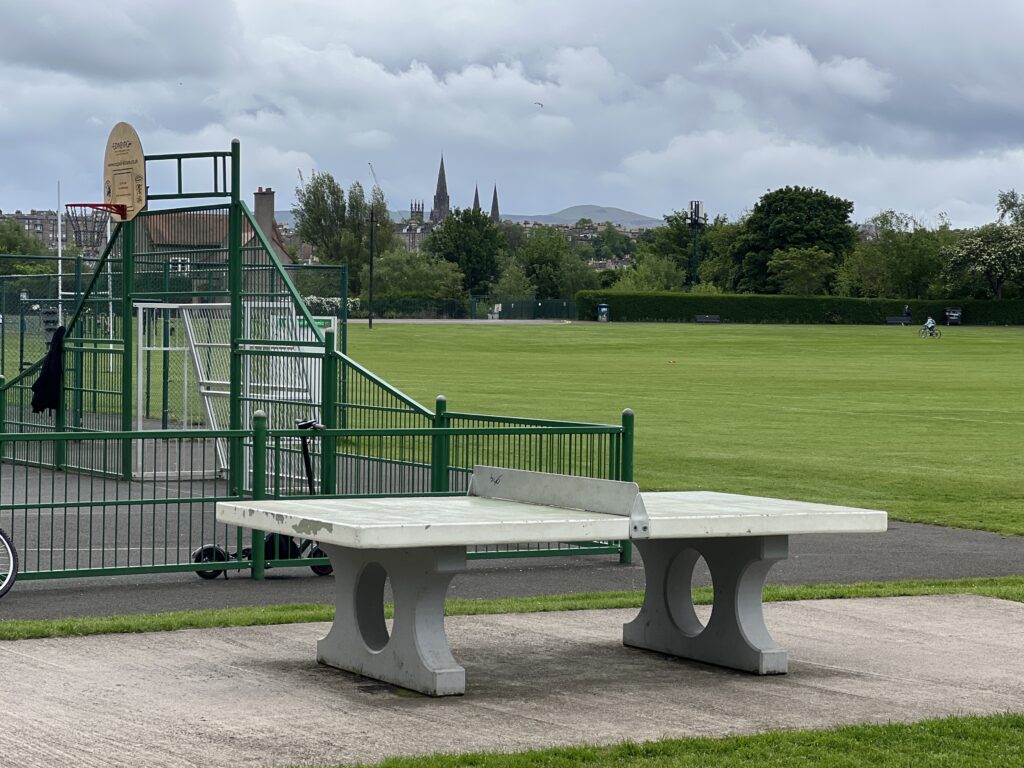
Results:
420 543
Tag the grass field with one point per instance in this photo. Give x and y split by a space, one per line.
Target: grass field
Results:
868 416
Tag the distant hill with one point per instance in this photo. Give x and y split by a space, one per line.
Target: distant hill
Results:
596 213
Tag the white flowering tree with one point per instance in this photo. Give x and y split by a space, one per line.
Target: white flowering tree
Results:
993 253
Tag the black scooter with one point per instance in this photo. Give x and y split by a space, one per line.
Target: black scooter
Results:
276 546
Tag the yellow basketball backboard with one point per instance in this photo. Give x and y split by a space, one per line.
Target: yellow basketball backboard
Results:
124 171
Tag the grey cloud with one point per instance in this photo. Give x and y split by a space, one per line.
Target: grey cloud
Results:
647 104
119 42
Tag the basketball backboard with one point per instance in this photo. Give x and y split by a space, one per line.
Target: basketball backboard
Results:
124 171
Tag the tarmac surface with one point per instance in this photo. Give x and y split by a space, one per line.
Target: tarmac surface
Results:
906 551
255 696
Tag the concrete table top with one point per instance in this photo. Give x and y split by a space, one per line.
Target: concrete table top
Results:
436 521
704 514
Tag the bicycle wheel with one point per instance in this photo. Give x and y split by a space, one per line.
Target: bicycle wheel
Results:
923 333
8 563
938 334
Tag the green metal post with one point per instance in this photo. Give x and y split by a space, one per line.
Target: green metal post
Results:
165 404
627 445
329 413
626 555
235 289
439 448
3 326
21 335
127 340
343 311
59 423
147 327
3 410
259 487
79 355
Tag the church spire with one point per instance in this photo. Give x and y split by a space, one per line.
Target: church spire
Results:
495 216
440 210
476 198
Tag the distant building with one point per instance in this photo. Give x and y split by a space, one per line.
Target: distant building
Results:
42 225
415 229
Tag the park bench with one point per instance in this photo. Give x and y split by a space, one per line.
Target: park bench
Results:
420 544
898 320
707 319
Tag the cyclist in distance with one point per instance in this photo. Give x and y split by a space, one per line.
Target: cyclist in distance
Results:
929 325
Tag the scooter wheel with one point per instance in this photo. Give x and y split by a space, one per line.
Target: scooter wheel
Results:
209 553
320 570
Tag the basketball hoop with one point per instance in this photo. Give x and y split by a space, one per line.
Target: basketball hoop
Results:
89 224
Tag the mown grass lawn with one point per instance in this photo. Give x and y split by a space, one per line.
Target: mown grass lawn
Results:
929 430
964 742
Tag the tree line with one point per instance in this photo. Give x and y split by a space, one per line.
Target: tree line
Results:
795 240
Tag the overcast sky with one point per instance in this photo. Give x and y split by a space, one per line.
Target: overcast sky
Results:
914 105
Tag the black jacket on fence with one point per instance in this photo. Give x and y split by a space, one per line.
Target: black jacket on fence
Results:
46 390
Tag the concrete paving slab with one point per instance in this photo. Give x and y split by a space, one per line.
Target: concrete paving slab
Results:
255 695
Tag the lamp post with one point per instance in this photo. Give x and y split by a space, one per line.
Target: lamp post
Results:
369 297
695 220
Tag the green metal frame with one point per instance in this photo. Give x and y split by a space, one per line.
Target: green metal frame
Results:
374 433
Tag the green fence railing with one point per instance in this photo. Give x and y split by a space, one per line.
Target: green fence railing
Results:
66 522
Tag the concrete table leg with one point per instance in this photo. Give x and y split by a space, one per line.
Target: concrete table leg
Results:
735 635
416 654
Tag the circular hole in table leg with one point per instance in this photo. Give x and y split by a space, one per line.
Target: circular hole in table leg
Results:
370 606
686 572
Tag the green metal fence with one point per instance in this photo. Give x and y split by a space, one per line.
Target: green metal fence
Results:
104 485
68 523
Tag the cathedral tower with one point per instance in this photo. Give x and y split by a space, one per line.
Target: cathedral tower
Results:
441 208
495 216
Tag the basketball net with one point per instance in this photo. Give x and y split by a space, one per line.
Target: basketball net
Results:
89 225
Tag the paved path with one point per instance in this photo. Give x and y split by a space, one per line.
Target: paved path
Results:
255 696
906 551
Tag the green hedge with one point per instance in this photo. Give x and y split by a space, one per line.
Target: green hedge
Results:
674 307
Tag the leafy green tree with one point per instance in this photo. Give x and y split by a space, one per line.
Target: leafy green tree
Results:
716 255
791 218
16 241
399 272
339 229
319 213
542 257
612 243
606 278
801 271
993 253
515 234
1010 206
513 281
652 272
470 240
673 241
357 222
575 275
583 250
895 256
